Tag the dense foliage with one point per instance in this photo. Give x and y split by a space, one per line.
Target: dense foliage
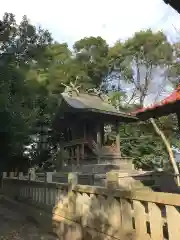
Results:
33 67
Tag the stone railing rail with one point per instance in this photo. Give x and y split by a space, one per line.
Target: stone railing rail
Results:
89 212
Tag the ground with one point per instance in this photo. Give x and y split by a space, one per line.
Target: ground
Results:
14 225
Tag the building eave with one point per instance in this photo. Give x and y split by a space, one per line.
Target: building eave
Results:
175 4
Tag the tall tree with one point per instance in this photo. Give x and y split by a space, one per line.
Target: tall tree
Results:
91 54
139 62
144 62
20 45
53 69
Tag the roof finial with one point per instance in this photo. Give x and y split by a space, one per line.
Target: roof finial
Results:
95 91
72 87
98 92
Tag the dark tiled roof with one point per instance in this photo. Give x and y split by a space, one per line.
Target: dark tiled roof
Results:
90 102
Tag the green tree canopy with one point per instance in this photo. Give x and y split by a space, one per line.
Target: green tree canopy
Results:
34 69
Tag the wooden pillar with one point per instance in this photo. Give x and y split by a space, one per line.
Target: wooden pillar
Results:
62 157
102 134
71 155
99 135
77 154
84 130
118 139
82 151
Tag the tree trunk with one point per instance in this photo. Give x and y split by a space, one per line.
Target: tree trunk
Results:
168 147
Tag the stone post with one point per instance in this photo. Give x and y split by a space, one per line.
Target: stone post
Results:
11 174
126 181
4 175
112 180
32 174
49 177
72 182
122 180
21 175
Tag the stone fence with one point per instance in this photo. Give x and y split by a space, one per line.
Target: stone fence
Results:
80 212
158 181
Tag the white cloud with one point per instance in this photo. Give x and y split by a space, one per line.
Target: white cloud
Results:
70 20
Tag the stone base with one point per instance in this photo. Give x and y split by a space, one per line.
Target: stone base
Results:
140 180
103 166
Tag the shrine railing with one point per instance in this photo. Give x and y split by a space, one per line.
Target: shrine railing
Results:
88 212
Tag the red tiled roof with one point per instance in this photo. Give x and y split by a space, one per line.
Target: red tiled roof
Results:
174 97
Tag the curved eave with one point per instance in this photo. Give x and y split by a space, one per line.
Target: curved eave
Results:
158 111
116 114
175 4
170 104
81 107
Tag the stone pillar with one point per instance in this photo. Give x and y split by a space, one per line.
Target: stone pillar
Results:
20 175
126 181
72 182
121 180
4 174
112 180
32 174
11 174
49 177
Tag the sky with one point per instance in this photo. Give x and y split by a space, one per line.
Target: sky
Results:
70 20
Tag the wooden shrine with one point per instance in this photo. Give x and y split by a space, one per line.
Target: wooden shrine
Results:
81 125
